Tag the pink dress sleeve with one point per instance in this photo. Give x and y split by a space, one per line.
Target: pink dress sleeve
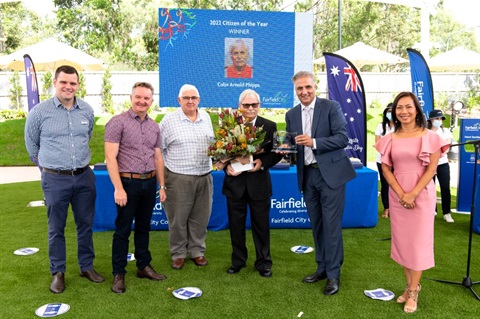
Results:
384 147
431 142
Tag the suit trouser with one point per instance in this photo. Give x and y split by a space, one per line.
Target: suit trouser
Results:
325 208
188 208
60 191
259 216
141 196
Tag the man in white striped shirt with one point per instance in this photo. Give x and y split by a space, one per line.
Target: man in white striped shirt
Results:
185 135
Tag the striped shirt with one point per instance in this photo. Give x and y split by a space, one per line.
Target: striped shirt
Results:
59 137
137 141
185 143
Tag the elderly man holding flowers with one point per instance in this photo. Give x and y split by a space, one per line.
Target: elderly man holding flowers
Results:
250 134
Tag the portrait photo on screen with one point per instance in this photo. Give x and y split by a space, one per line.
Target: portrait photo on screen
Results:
239 58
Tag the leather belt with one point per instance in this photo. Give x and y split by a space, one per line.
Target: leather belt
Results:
313 165
65 172
139 176
205 174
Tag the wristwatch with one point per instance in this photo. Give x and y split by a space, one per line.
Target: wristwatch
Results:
163 187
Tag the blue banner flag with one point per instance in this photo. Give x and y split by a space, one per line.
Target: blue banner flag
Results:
32 84
421 80
346 87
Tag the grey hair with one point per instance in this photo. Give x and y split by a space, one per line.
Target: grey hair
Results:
238 43
186 87
244 94
302 74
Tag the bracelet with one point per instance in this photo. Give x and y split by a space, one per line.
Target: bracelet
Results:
163 187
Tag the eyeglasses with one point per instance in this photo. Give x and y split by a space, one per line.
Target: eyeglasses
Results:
248 105
193 98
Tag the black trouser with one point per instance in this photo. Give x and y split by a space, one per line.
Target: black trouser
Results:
443 175
384 187
141 200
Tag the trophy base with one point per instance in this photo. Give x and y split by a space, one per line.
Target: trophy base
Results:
285 150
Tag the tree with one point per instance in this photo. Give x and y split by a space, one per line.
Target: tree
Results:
447 34
16 92
391 28
20 27
96 27
47 78
82 90
107 101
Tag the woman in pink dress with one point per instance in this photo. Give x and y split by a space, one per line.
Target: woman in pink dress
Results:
414 151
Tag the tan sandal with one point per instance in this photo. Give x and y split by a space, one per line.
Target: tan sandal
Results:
411 294
385 213
403 298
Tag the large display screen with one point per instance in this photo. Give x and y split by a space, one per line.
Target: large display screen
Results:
223 53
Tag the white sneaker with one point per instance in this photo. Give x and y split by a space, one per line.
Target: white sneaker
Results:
448 218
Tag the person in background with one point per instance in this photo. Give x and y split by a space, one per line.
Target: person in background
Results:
239 54
57 133
435 123
383 129
188 180
414 152
323 169
251 189
135 165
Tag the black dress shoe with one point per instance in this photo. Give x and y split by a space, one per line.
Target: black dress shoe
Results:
234 269
267 273
332 286
314 277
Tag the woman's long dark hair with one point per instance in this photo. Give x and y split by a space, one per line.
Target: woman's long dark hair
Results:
419 119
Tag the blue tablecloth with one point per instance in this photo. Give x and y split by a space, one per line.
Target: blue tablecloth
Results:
288 209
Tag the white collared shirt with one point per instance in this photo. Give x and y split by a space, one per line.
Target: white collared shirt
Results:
312 106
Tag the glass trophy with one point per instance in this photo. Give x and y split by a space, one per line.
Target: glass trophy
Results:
284 142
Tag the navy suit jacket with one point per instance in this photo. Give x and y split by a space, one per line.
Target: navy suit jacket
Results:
258 184
329 129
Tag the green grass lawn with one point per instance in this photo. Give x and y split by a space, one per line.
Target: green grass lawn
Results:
26 279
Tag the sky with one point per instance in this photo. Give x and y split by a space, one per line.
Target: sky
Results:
465 11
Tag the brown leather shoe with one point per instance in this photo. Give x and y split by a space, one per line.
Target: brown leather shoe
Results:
149 272
200 261
92 275
178 263
58 283
118 286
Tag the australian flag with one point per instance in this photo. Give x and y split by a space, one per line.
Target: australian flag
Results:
346 87
32 84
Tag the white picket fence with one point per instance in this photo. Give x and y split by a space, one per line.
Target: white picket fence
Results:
381 87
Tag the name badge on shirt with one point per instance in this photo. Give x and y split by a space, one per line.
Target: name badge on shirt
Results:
84 122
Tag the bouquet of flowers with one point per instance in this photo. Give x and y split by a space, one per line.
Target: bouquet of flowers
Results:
235 138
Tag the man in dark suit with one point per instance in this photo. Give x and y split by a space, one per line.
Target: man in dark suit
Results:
323 169
252 188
